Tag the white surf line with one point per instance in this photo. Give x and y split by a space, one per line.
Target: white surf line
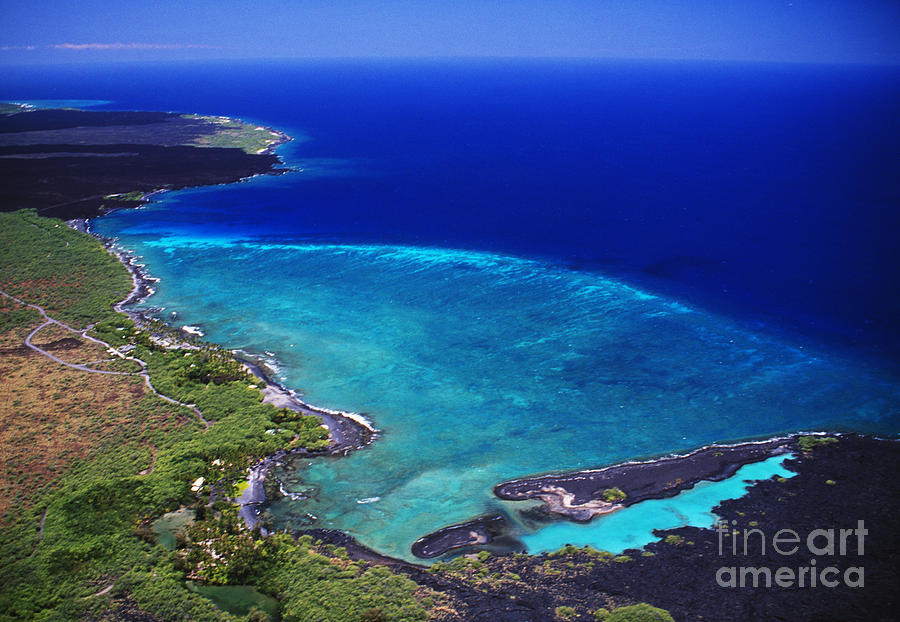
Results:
581 474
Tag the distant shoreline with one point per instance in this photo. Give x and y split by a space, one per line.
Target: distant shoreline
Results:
70 163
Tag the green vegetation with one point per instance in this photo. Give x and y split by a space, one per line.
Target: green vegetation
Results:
808 443
44 262
611 495
98 503
314 582
641 612
240 600
90 461
126 196
674 539
14 315
230 133
591 552
315 586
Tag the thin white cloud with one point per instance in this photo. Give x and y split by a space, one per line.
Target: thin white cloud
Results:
4 48
128 46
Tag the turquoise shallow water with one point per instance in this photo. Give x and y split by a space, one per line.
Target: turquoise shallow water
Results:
480 367
63 103
632 527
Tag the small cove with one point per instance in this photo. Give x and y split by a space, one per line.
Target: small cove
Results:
632 527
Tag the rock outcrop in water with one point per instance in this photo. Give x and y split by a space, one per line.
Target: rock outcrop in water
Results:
481 530
584 494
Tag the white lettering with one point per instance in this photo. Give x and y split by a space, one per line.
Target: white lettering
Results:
860 576
777 540
828 534
825 580
784 577
730 571
844 534
756 572
762 540
861 533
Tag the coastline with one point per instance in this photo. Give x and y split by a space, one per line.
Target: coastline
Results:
579 496
655 577
351 431
582 495
838 485
569 495
347 431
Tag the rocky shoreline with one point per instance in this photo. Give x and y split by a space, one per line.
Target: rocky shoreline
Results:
347 431
75 163
479 531
838 484
582 495
574 496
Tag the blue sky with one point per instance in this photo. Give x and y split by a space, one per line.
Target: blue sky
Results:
831 31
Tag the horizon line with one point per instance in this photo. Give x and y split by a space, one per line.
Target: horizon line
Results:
408 58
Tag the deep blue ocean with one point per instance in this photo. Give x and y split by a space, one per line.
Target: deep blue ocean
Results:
520 266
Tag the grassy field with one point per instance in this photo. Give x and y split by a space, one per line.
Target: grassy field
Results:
88 461
54 415
232 133
67 273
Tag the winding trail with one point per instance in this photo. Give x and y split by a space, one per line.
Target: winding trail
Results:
83 333
105 590
90 198
152 466
62 362
41 530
